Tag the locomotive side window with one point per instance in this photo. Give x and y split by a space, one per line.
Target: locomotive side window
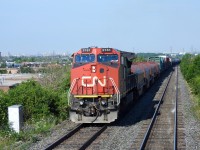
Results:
84 58
107 58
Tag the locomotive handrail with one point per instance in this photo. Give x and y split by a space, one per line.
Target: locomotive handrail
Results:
117 90
70 89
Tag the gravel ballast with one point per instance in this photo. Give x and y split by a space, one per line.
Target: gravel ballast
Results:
57 132
192 125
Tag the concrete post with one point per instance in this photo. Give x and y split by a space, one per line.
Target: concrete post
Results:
15 117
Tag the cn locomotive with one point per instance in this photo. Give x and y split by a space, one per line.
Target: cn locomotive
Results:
104 81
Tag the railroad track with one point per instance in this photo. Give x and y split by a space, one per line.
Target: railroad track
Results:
79 138
156 136
160 134
180 124
163 131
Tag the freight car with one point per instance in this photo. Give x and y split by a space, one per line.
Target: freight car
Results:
104 81
163 62
174 61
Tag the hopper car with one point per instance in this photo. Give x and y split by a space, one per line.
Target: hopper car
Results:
163 62
105 80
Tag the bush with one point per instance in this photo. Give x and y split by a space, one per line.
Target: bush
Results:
190 67
36 100
3 71
195 85
57 79
3 108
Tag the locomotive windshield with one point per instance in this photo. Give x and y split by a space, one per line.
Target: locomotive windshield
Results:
84 58
107 58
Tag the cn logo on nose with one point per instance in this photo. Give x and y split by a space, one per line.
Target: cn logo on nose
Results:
94 80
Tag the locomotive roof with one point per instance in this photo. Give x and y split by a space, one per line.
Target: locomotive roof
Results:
128 55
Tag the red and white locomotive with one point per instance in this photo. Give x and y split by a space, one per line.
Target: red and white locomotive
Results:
103 80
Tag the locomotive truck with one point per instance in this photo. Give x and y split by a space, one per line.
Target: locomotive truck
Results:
104 81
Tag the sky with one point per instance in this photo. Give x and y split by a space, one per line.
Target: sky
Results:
65 26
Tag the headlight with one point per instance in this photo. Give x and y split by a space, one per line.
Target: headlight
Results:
81 102
103 102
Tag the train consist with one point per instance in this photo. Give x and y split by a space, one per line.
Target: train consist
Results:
104 81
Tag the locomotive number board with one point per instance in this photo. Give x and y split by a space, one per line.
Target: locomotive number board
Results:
106 50
86 50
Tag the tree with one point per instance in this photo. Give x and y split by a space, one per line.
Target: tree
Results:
3 65
139 59
57 78
26 70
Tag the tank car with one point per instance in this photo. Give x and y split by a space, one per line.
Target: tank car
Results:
100 80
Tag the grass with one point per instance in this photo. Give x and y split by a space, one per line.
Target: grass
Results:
196 106
31 133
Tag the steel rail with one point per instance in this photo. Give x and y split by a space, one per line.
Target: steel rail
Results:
144 141
68 135
88 142
175 113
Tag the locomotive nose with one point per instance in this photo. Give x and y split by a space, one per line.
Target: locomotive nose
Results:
93 79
